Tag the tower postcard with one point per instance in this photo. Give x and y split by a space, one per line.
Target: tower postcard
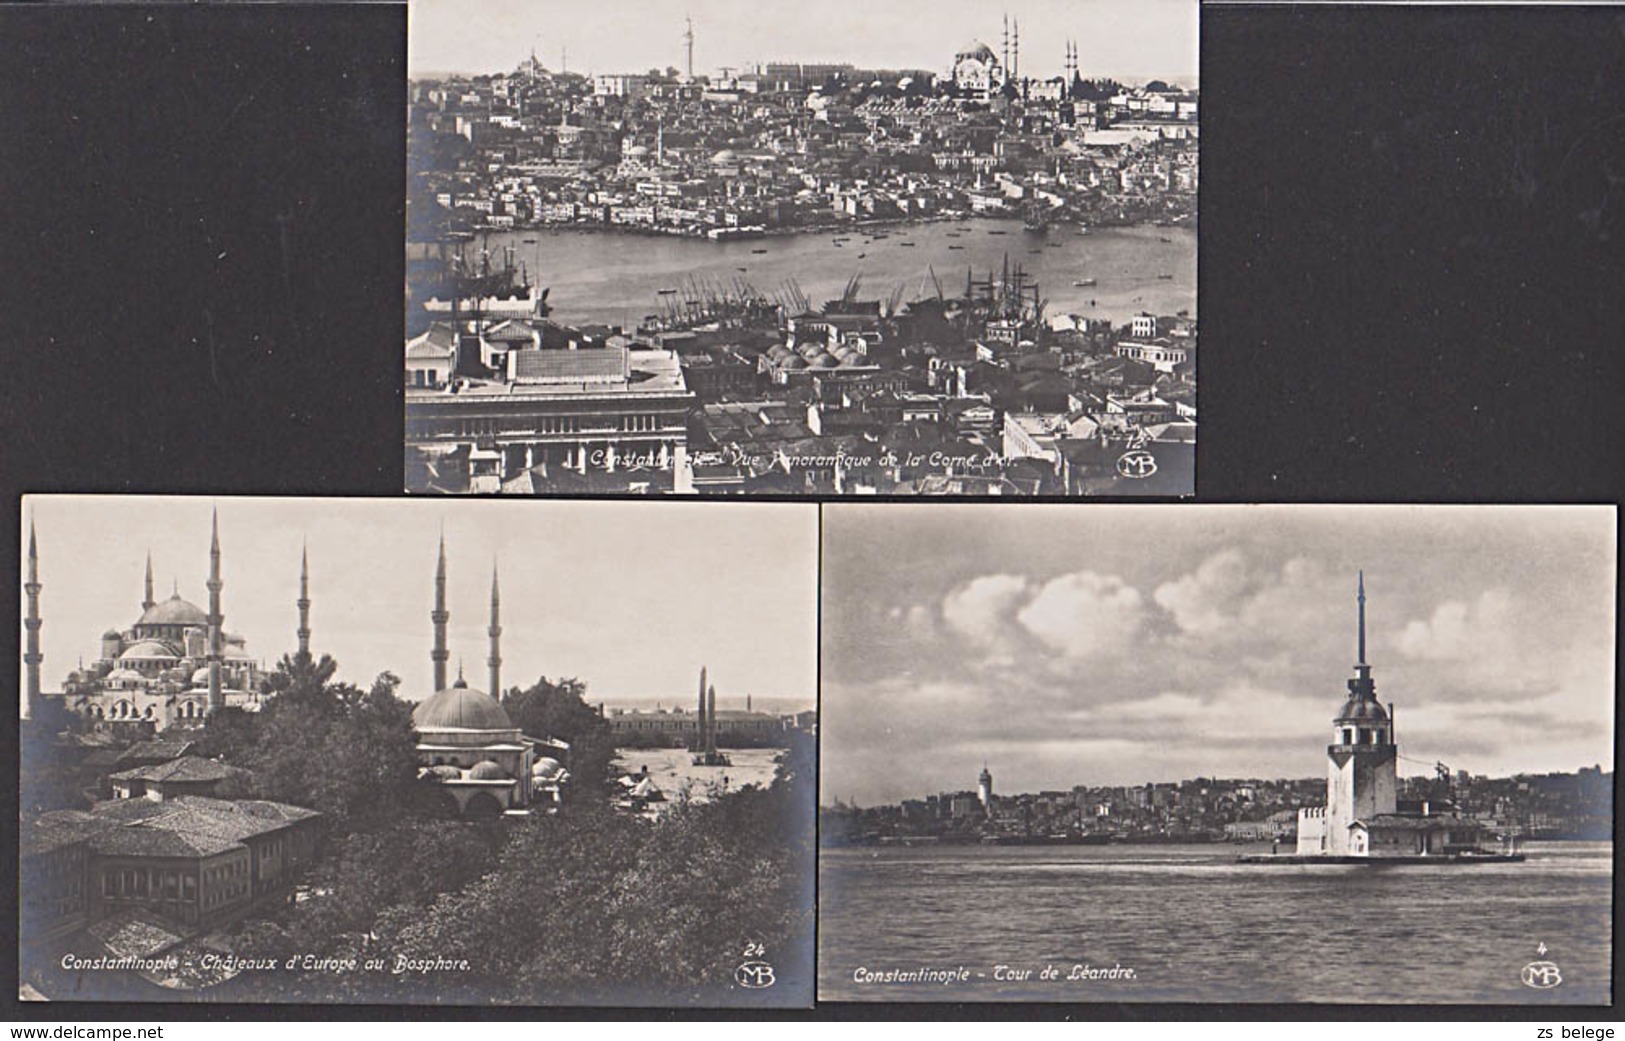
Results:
1218 754
920 248
386 751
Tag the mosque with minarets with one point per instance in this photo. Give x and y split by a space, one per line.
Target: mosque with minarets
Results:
171 668
467 746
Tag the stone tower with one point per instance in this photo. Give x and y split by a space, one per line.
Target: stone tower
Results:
1362 760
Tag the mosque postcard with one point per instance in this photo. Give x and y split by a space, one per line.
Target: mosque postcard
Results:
1218 754
395 751
925 247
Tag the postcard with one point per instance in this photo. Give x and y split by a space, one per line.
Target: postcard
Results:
918 248
1218 754
398 751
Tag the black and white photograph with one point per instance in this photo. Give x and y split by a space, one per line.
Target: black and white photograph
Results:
408 751
917 248
1137 753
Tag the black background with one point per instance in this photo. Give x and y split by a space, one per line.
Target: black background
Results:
1411 278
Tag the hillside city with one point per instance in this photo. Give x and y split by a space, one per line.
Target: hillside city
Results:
960 382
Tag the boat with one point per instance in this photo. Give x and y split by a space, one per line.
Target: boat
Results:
1084 282
910 244
529 241
862 255
744 269
758 251
1161 239
667 292
956 247
1165 276
996 233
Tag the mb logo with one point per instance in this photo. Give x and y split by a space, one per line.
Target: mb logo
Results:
1542 975
1137 464
754 974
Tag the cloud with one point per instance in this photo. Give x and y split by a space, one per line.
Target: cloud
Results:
1084 615
981 608
1206 600
1460 631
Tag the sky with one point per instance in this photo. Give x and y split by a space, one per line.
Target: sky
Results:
1116 645
1131 40
630 597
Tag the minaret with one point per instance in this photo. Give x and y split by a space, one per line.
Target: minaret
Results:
216 620
1362 761
1015 51
1004 47
440 616
495 632
304 603
688 42
146 604
33 657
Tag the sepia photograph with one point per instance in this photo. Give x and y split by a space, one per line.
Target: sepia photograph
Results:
1223 754
405 751
837 249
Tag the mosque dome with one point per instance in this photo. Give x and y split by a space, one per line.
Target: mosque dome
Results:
825 361
147 650
174 611
724 157
975 49
200 678
460 707
124 675
486 770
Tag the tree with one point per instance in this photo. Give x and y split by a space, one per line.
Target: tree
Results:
559 710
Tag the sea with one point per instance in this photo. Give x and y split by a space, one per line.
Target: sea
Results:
1187 923
615 278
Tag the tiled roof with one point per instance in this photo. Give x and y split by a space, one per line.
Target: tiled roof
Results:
191 826
594 365
158 750
186 768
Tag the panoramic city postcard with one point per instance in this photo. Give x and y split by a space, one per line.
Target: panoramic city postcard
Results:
385 751
915 248
1173 753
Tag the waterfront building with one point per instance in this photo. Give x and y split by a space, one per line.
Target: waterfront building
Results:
1362 816
172 667
613 416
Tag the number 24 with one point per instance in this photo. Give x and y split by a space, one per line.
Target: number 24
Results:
754 950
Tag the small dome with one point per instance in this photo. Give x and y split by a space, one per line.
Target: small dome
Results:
147 650
825 361
724 157
112 634
485 770
795 363
443 772
1362 710
637 151
460 708
546 767
174 611
125 675
201 677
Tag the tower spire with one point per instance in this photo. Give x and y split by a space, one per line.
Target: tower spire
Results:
1361 662
304 602
146 604
495 632
32 657
216 619
440 616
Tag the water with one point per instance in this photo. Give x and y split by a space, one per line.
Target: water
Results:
613 278
1196 926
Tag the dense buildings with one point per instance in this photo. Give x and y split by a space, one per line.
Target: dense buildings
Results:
735 387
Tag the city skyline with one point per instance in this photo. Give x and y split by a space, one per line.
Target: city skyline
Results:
1130 644
630 598
1121 39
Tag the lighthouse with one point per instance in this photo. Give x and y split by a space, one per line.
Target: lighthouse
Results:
1361 763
